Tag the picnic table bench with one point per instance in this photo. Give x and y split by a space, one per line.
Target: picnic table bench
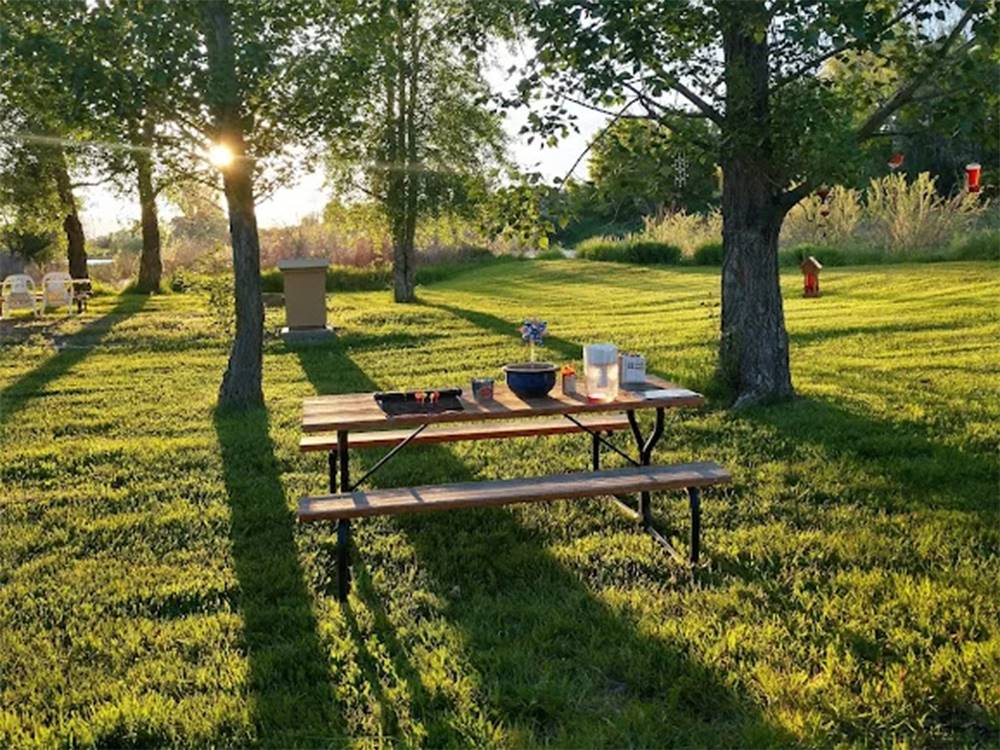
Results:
335 424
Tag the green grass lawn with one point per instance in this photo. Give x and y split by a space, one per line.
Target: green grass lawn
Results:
155 590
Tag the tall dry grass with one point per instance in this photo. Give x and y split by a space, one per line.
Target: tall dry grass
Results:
683 230
910 218
891 215
806 222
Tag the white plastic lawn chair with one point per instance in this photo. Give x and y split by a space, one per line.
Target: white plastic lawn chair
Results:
57 290
18 293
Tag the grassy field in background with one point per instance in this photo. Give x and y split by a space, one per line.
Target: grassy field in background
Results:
155 590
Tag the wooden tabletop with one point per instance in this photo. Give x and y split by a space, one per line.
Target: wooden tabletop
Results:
359 411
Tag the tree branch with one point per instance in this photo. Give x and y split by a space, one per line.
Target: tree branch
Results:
905 93
666 113
75 185
621 115
707 109
649 104
594 140
807 66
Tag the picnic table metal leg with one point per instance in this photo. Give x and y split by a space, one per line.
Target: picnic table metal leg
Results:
646 447
343 525
595 451
343 559
645 514
694 496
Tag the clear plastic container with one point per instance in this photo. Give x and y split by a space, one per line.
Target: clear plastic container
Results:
600 365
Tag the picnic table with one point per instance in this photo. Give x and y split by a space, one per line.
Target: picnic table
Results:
337 423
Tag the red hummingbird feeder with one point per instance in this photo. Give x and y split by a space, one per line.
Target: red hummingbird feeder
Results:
973 172
896 160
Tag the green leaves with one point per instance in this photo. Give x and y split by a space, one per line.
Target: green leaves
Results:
640 167
672 55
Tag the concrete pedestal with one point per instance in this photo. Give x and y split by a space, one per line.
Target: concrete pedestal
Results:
306 335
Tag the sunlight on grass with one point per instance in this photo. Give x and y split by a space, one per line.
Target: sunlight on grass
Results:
155 589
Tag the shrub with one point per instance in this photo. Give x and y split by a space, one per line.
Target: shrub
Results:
831 255
646 252
684 230
977 246
375 278
180 281
351 279
220 302
338 279
553 253
632 249
602 248
708 254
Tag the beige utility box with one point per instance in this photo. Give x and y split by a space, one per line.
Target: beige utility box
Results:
305 293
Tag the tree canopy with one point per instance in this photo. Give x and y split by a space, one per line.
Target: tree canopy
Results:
420 139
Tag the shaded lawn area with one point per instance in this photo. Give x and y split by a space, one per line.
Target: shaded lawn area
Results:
154 588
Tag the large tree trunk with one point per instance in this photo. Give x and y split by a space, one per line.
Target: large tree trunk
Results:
150 265
76 251
242 383
753 354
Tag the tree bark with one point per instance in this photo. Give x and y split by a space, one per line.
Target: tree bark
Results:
414 176
753 356
150 265
242 383
76 250
404 273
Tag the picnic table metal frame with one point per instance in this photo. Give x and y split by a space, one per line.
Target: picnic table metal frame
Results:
339 460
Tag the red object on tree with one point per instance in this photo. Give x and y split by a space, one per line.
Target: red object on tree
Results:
972 174
896 160
810 271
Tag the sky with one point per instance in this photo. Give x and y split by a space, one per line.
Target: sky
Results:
105 211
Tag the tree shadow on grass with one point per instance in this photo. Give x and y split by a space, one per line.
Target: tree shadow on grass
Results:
883 329
553 663
293 699
76 348
564 348
929 474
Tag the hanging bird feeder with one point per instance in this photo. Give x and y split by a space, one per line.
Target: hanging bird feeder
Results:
973 172
896 160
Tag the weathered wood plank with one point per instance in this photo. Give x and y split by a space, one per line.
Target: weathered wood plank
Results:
506 491
455 433
360 411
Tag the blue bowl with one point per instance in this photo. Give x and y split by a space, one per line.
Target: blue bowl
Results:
531 379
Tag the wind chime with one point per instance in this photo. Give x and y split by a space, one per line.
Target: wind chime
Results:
680 169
